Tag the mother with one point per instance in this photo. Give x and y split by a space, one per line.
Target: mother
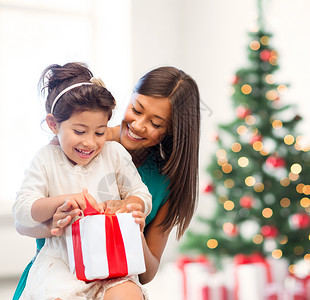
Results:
160 129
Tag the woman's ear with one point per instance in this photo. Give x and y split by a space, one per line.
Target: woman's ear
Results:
51 122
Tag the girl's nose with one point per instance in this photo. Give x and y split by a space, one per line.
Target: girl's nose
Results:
89 141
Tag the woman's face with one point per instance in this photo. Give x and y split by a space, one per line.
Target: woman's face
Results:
146 122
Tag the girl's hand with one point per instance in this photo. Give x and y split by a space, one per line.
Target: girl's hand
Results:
62 217
72 207
139 217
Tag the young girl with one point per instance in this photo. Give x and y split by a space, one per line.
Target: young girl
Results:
83 166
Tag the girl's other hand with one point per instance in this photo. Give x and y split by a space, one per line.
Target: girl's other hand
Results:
63 216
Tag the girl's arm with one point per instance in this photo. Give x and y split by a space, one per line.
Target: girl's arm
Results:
154 242
44 209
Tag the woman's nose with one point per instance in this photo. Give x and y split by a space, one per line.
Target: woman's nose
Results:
139 125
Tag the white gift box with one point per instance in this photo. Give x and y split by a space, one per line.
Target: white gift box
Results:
105 246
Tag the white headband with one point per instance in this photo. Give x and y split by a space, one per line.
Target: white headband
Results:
66 90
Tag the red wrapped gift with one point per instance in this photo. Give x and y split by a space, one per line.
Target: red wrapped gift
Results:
252 276
296 288
104 246
193 271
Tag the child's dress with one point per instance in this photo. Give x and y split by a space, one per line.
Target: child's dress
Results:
111 175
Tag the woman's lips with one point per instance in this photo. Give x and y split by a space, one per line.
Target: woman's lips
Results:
133 136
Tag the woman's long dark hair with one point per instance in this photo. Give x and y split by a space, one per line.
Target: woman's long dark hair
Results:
181 144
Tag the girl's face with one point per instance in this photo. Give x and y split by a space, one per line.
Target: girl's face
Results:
146 122
82 136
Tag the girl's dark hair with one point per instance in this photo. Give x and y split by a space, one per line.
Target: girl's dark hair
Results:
181 144
56 78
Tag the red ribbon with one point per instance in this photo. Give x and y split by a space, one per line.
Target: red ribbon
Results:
115 248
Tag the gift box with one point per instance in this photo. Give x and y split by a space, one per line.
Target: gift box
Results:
296 288
259 278
193 274
104 246
216 288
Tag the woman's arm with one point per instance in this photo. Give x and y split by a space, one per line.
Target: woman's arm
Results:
154 242
43 230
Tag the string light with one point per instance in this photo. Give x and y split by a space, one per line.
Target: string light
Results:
282 88
305 202
229 183
259 187
236 147
212 243
299 188
289 139
299 250
229 205
220 153
258 146
222 160
296 168
272 95
222 199
277 124
269 79
254 45
285 202
293 176
227 168
264 40
250 120
250 181
246 89
285 181
217 174
306 189
283 239
276 253
258 239
267 212
243 162
242 130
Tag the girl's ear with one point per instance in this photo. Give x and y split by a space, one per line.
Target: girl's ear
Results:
51 122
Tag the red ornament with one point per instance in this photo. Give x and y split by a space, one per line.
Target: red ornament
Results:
269 231
246 202
265 55
275 162
256 138
242 112
209 188
230 229
235 79
300 221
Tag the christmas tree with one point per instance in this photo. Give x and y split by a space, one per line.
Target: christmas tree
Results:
260 174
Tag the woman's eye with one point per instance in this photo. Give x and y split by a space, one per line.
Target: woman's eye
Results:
155 125
79 132
135 111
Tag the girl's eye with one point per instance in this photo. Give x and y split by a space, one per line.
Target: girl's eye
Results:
78 132
99 133
135 111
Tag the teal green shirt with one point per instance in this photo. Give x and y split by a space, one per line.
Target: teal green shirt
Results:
158 188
